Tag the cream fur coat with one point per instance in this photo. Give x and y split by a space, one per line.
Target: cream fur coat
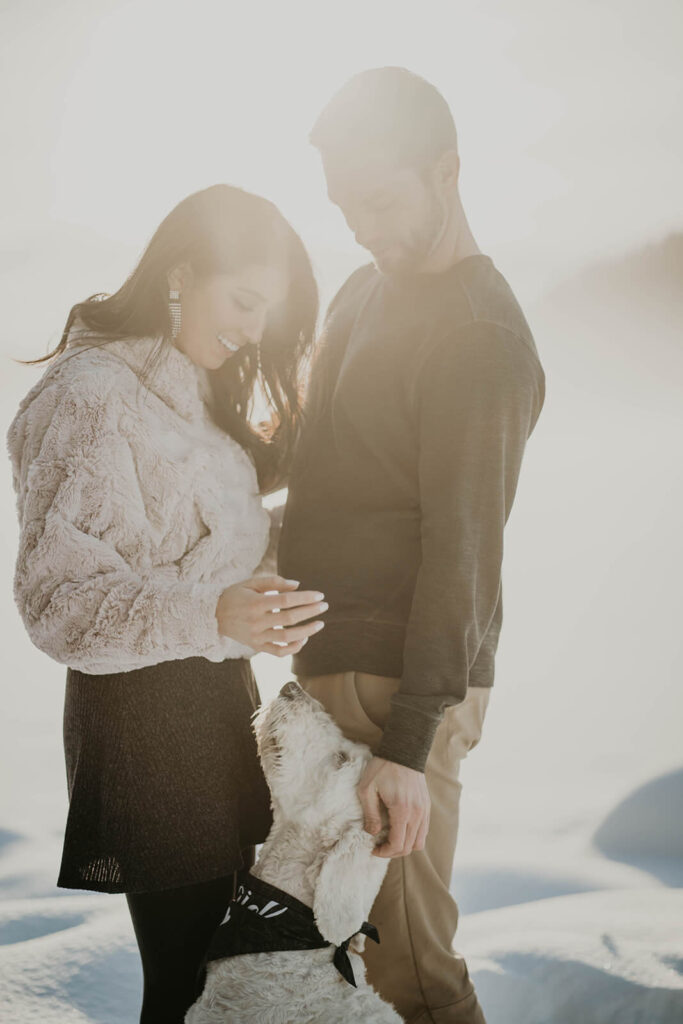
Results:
135 511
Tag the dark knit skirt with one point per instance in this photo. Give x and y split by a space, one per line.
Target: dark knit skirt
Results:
165 785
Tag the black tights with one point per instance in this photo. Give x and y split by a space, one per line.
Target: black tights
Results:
173 928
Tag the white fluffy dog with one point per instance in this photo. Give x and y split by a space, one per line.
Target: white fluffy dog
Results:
318 853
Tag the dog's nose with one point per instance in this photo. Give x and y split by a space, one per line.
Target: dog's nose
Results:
291 690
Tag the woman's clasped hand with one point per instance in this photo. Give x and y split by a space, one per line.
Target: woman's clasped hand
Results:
268 614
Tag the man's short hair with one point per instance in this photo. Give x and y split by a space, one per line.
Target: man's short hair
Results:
391 109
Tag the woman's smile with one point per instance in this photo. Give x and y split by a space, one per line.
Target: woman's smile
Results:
231 346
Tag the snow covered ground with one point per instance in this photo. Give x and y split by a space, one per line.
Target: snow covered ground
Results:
569 870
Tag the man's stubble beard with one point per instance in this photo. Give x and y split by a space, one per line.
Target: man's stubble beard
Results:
425 240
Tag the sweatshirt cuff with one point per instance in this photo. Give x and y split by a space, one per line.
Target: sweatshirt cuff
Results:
408 737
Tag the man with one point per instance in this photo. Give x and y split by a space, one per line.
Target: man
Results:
426 386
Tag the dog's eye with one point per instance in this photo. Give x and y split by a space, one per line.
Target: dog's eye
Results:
340 758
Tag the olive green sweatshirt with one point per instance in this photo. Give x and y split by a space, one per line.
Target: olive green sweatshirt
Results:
423 394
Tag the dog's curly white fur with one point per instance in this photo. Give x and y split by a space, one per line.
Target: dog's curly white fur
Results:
317 851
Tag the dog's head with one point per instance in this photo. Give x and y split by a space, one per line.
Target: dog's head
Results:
313 772
311 768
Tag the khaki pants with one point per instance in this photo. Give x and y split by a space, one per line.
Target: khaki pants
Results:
415 967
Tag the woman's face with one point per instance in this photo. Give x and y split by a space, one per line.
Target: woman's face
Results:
224 312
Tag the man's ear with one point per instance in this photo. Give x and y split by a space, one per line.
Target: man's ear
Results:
348 882
447 170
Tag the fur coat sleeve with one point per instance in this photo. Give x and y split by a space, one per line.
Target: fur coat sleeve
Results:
85 584
268 566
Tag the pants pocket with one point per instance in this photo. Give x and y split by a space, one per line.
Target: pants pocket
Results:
466 720
337 694
373 694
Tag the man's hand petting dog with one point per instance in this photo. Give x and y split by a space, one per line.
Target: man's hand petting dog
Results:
403 791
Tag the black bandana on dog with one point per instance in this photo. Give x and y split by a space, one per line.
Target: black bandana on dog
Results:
264 919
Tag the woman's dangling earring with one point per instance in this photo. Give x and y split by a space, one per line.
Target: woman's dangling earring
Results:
175 312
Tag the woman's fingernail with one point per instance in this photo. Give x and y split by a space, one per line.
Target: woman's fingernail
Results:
319 626
293 582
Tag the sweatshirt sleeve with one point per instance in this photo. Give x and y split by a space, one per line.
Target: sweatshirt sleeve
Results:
479 394
82 523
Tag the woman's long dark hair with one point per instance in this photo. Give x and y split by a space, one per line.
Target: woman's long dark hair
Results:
223 229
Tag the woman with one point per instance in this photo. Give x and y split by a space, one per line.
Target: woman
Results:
143 548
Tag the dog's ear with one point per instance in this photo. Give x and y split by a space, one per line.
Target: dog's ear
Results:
348 882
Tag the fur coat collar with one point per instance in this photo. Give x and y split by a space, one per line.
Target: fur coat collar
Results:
169 373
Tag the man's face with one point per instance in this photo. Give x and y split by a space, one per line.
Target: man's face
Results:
393 212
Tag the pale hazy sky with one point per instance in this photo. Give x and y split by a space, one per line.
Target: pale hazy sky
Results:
568 115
